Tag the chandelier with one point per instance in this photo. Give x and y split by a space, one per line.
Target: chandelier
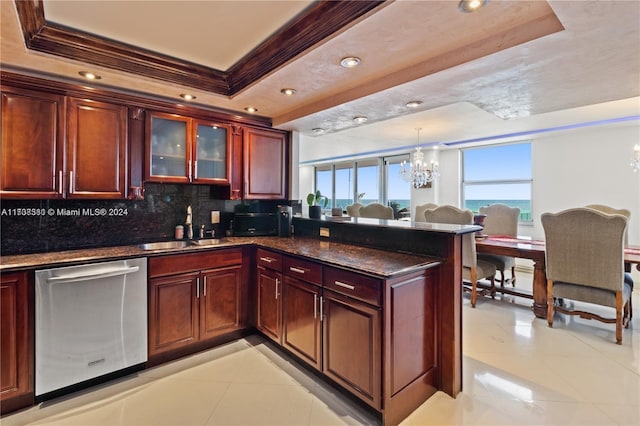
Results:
418 173
635 160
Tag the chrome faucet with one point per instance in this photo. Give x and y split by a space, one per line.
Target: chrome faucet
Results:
189 224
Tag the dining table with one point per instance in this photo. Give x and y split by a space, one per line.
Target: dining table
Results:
534 249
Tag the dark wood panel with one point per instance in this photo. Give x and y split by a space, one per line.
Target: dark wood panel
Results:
265 164
32 149
353 285
351 345
293 39
97 149
303 269
176 263
221 302
237 170
269 303
16 341
301 320
173 312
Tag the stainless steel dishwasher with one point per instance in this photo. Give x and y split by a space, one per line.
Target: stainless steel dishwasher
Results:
91 320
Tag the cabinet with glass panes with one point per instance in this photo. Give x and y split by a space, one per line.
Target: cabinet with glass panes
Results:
186 150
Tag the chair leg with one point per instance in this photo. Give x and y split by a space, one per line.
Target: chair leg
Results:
474 289
513 276
550 303
502 278
619 317
493 286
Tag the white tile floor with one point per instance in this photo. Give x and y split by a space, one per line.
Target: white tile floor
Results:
516 371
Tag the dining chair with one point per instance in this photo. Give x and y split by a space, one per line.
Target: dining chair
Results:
376 211
354 209
473 269
501 220
585 263
420 209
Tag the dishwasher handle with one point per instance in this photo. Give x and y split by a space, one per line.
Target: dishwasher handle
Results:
84 277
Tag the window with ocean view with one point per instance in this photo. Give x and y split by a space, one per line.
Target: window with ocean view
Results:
498 174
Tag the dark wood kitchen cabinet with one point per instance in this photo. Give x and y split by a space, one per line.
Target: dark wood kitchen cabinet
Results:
96 150
16 341
302 310
57 147
33 135
186 150
266 165
194 297
269 294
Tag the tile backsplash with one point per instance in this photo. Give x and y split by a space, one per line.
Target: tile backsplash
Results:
35 226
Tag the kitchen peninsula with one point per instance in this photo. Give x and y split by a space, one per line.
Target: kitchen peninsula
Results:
380 294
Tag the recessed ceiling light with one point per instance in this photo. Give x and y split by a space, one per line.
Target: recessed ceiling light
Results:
350 62
250 109
469 6
360 119
89 75
288 92
187 96
413 104
318 130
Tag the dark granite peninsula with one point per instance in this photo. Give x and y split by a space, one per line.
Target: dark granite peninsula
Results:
390 292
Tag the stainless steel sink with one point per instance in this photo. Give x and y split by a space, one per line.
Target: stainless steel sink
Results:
163 245
207 241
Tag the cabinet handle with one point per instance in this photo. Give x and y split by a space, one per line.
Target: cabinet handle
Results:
71 182
189 171
298 270
198 288
277 282
341 284
204 286
315 306
195 169
60 182
267 259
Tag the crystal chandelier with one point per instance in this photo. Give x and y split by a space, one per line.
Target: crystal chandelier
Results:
635 160
418 173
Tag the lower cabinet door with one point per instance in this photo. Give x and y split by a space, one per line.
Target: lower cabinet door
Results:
269 319
352 346
220 301
16 342
302 320
173 312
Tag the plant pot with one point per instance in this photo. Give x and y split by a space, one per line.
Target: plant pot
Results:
315 212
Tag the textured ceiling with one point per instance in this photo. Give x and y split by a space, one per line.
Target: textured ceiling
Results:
507 65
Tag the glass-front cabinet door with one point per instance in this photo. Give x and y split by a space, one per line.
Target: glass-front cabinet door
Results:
211 152
168 149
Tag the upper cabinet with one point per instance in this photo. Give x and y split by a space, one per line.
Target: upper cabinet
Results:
186 150
265 164
57 147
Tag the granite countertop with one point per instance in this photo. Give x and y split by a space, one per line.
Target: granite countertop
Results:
376 262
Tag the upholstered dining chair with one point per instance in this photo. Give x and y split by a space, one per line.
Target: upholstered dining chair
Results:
585 262
473 269
501 220
420 209
354 209
376 211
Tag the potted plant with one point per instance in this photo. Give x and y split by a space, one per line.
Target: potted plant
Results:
314 200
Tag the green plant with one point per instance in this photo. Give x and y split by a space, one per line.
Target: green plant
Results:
314 199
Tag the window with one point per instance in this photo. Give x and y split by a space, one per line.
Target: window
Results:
324 182
368 180
498 174
344 185
398 191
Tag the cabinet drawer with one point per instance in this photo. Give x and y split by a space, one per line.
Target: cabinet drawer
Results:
353 285
303 269
269 259
177 263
